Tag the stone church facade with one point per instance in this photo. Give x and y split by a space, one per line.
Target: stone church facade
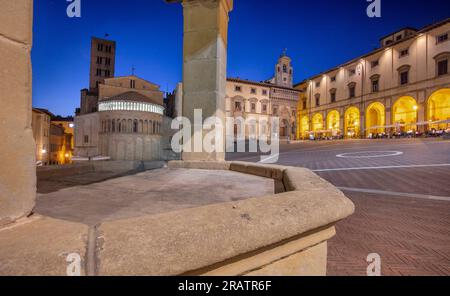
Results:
120 118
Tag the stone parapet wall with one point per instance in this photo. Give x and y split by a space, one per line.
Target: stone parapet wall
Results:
283 234
96 166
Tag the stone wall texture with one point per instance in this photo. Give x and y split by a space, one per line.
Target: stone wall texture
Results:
17 155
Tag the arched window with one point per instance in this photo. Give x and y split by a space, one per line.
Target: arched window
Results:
119 126
442 63
403 74
154 127
135 126
317 96
351 90
113 126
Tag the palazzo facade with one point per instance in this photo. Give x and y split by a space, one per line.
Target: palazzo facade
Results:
401 87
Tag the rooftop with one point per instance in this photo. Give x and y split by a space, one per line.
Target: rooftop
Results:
418 32
131 96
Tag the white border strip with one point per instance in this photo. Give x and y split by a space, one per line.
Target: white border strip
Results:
382 154
384 167
399 194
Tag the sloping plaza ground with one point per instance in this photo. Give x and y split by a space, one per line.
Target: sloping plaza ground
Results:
402 201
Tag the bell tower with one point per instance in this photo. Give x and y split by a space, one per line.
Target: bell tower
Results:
284 72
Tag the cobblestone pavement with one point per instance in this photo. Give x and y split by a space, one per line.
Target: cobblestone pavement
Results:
411 236
402 202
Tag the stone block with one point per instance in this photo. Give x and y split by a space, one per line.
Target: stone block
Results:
16 20
301 179
289 258
239 166
40 247
17 150
310 262
200 165
168 244
275 172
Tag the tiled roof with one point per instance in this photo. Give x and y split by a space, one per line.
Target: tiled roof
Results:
132 96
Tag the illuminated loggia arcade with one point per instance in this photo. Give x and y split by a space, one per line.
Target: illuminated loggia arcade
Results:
333 123
317 123
404 113
352 123
438 109
304 127
375 119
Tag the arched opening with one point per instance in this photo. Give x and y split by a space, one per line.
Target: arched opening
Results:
404 114
352 123
439 109
304 127
333 122
135 126
375 119
284 128
317 123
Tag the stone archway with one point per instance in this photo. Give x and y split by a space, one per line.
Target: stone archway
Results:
438 108
304 127
317 123
352 123
375 119
333 123
352 127
404 113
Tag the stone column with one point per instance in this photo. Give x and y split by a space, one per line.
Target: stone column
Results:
205 64
17 147
362 125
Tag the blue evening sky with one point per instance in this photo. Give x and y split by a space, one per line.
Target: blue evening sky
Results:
318 34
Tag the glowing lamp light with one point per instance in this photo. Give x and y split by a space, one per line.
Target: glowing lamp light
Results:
415 108
71 125
43 151
67 155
